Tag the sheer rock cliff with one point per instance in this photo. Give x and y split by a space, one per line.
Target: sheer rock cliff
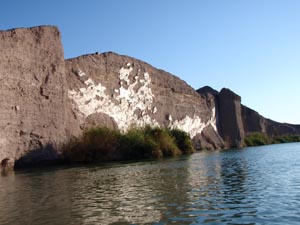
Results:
46 100
236 120
132 93
33 94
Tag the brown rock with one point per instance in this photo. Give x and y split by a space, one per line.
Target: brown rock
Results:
209 140
234 120
7 164
133 93
45 100
254 122
229 117
100 119
32 91
231 127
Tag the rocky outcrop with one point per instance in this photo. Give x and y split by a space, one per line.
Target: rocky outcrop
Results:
46 100
235 120
132 93
254 122
231 126
229 116
32 95
209 92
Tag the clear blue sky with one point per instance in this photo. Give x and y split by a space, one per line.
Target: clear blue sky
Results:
249 46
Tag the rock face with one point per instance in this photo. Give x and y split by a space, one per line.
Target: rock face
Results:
132 93
32 87
231 127
254 122
236 120
46 100
229 116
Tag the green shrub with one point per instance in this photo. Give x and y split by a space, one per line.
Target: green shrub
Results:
74 151
103 144
256 139
134 145
286 139
97 144
183 141
165 142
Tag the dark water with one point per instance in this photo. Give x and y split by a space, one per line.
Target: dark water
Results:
250 186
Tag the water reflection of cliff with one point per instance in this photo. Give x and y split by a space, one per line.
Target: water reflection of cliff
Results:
136 193
203 187
220 192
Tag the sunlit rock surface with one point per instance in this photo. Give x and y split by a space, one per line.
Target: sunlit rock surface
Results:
32 94
134 94
235 120
46 100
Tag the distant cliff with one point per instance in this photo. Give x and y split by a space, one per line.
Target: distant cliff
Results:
236 120
46 100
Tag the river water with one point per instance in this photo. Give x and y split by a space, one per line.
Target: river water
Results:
259 185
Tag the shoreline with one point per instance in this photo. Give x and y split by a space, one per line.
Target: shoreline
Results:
64 165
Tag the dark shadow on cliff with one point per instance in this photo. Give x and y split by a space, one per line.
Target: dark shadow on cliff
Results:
46 156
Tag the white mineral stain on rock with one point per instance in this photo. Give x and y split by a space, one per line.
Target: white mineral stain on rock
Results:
80 73
89 82
94 99
154 110
86 98
124 74
213 120
194 125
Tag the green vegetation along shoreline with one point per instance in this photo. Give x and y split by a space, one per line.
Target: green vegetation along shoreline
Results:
258 139
102 145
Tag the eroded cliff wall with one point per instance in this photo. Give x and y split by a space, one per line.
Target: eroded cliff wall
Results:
124 92
32 94
254 122
46 100
235 120
230 115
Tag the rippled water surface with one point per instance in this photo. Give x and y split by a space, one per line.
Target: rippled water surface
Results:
250 186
